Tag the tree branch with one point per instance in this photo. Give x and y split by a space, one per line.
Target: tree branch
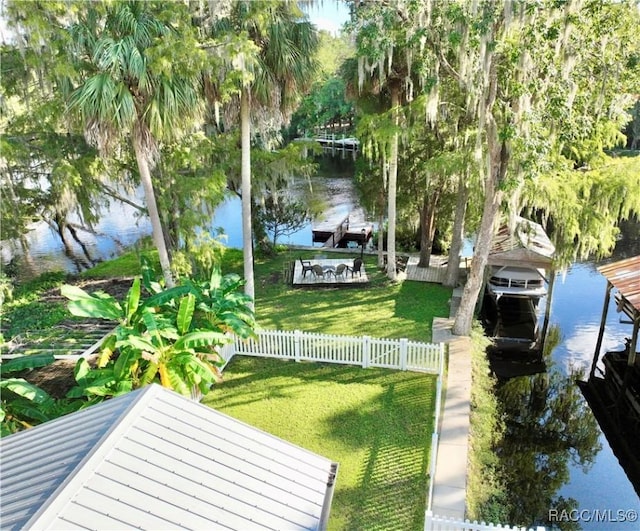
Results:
114 194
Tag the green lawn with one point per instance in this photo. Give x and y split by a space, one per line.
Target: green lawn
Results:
381 309
375 423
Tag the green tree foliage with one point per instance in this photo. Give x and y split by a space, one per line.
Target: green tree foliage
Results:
325 110
326 105
137 79
191 183
48 172
281 215
582 209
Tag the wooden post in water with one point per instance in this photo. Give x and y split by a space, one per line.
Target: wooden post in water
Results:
547 310
605 310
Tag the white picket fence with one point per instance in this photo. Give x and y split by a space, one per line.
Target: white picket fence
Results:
353 350
443 523
367 352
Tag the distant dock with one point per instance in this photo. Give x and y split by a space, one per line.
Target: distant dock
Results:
332 145
339 234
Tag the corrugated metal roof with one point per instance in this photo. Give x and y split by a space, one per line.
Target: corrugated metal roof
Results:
153 459
624 275
524 243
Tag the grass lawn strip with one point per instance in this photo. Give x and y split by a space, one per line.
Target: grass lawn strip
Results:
375 423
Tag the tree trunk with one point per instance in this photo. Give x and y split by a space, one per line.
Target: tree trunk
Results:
152 209
381 240
247 236
427 227
453 266
393 181
497 168
381 203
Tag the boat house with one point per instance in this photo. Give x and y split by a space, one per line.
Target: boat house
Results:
518 276
613 387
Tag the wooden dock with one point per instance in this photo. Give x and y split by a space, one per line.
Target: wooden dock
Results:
338 235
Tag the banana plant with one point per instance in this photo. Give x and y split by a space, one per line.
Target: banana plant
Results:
23 404
172 337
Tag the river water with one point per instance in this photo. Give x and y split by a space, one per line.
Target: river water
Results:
560 468
122 226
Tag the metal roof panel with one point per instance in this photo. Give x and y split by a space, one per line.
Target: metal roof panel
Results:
165 462
624 275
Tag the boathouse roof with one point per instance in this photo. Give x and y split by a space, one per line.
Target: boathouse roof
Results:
624 276
153 459
523 243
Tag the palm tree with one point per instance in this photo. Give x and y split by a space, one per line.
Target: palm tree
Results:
385 56
276 72
130 92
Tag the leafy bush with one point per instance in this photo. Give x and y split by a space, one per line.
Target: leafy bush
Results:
172 337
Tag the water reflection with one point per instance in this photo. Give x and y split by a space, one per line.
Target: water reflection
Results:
121 226
554 455
548 429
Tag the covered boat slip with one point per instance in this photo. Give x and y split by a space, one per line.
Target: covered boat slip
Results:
519 273
613 387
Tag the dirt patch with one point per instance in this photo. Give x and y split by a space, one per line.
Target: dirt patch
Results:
56 379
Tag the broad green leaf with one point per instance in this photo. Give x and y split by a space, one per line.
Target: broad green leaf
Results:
133 298
81 369
96 308
185 313
149 374
40 412
178 383
137 342
26 362
124 367
150 321
73 293
99 390
216 278
25 389
166 296
201 339
123 387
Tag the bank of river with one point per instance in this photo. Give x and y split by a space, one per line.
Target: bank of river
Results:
122 226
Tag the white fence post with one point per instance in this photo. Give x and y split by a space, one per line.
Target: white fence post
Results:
403 354
366 351
297 337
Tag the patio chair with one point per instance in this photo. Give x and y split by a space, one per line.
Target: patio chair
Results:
306 266
317 270
357 267
339 272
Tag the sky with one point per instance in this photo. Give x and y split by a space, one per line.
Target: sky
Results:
329 15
